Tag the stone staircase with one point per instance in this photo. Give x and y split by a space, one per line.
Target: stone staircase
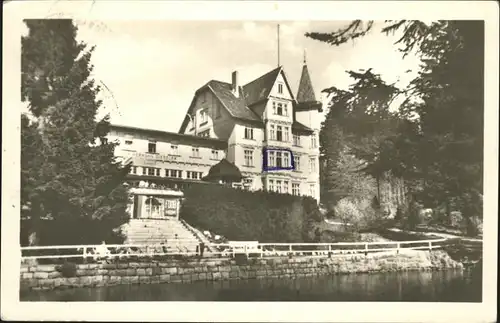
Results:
169 232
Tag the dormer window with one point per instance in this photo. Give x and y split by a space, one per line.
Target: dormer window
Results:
152 147
203 116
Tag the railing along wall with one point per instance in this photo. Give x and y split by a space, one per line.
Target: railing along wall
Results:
190 248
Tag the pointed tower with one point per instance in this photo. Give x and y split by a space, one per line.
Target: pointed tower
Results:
308 109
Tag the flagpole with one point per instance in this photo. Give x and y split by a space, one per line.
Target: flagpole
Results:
278 45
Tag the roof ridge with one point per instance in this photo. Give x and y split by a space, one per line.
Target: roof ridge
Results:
264 75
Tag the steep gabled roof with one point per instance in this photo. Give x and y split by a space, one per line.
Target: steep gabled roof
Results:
250 94
236 106
305 92
259 89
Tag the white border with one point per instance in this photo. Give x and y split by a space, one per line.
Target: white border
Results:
15 11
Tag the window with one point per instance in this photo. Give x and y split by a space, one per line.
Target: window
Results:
173 173
274 107
133 170
174 149
272 132
279 133
278 186
296 140
151 171
285 187
152 147
312 165
280 88
296 161
203 116
271 162
312 190
286 159
128 142
247 181
248 133
314 143
196 152
204 134
193 175
215 154
296 189
144 171
217 111
285 109
270 185
248 157
279 110
286 134
278 159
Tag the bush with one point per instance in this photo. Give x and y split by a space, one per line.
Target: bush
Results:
67 269
244 215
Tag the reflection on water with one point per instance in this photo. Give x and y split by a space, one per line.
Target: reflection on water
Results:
446 286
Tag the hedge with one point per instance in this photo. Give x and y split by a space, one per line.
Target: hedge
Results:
250 216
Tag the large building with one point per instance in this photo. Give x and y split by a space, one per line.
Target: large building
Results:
261 128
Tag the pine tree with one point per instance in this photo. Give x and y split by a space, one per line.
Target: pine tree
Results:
439 146
69 175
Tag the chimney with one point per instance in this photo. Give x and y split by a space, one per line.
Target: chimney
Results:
235 86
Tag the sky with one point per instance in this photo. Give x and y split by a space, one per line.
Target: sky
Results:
151 69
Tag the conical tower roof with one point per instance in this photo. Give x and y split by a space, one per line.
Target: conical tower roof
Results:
306 91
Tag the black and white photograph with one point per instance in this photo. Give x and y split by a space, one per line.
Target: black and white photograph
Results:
261 157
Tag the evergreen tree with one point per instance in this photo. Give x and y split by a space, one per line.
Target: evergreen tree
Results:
69 174
439 143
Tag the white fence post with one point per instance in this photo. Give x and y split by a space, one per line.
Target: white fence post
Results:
398 245
430 245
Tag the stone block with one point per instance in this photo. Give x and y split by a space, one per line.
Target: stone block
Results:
225 274
202 276
186 277
102 272
164 278
155 279
122 266
224 268
141 272
27 275
157 271
108 266
41 275
131 271
210 276
149 271
24 269
55 274
216 276
144 280
261 272
127 279
46 268
133 265
93 266
85 280
233 274
46 282
175 278
252 274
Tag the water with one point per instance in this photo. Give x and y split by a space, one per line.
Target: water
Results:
445 286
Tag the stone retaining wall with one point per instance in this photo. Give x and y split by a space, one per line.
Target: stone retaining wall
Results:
185 271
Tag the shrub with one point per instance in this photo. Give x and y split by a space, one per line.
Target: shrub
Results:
244 215
67 269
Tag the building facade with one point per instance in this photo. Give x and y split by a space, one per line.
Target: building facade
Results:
268 133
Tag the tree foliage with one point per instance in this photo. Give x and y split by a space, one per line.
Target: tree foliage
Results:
69 175
435 140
